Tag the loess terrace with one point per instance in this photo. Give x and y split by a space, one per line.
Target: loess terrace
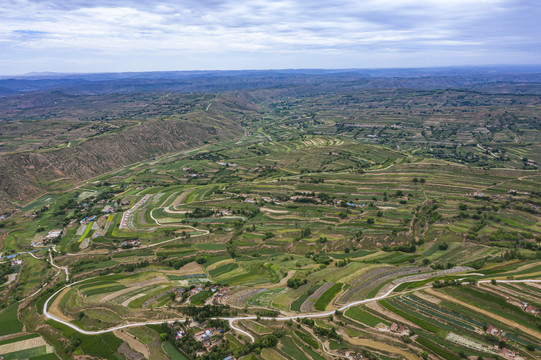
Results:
383 223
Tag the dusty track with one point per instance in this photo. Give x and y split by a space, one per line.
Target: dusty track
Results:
285 318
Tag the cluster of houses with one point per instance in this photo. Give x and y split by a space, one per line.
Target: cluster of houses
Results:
491 330
209 336
220 294
131 243
350 354
12 213
508 354
223 163
516 192
223 212
215 289
108 209
400 329
251 200
298 198
194 175
504 352
16 262
87 220
530 309
348 203
206 335
196 290
53 234
478 194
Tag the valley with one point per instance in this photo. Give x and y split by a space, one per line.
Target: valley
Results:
274 223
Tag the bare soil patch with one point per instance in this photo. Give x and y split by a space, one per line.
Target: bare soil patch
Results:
240 297
188 269
307 305
273 211
133 343
129 353
179 200
24 345
55 308
381 346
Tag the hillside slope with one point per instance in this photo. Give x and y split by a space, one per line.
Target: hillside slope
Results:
26 175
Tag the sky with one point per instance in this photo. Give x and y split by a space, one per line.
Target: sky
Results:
146 35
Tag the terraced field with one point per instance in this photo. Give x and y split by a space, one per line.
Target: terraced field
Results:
317 234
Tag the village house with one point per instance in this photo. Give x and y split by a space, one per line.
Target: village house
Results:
221 295
206 334
492 330
530 309
108 209
196 290
399 329
506 353
16 262
131 243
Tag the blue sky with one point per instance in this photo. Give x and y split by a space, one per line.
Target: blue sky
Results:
134 35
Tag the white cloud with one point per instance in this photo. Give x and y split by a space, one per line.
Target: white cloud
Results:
261 28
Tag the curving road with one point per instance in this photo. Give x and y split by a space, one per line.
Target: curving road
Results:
230 320
234 319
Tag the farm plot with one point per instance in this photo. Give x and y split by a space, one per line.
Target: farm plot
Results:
327 297
264 298
28 348
126 298
296 305
10 322
370 280
310 300
362 315
495 304
251 273
224 269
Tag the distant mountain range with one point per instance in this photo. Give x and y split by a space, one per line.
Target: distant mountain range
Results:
219 81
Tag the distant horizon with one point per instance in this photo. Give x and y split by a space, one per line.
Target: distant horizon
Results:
290 69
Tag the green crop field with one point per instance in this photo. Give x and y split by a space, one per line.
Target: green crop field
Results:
364 317
295 196
10 323
327 297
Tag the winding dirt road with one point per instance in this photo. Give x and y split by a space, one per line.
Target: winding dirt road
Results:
230 320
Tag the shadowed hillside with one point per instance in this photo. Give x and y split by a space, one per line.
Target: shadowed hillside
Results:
27 174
